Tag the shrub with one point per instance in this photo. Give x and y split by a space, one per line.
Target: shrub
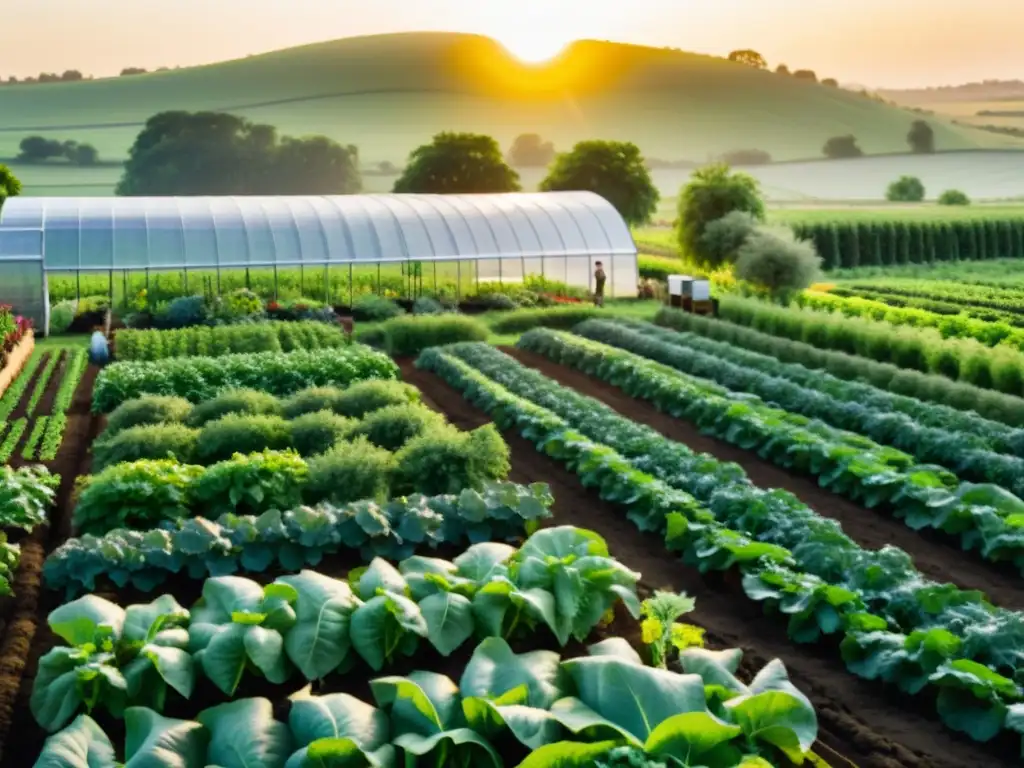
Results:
393 426
954 197
368 396
148 409
711 193
371 308
350 472
241 433
657 267
555 317
244 401
499 301
318 432
138 495
146 441
841 147
250 485
372 337
723 238
773 259
62 314
240 304
314 399
183 312
425 305
411 335
906 189
446 461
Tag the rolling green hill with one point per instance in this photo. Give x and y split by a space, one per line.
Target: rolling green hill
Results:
389 93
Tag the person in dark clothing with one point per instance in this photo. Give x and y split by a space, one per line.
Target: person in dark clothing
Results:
599 279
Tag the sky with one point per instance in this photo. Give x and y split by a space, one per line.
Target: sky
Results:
878 43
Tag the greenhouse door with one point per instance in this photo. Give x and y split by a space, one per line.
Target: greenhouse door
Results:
22 277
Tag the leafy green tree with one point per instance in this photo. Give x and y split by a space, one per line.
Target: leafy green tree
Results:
9 184
723 238
831 82
458 163
774 260
34 149
954 197
81 154
921 138
840 147
711 193
749 57
529 150
906 189
212 153
782 69
806 74
614 170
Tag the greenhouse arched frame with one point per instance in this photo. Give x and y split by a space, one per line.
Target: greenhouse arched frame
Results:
326 247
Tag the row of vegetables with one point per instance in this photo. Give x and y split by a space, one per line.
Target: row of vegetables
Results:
982 517
896 626
984 451
26 495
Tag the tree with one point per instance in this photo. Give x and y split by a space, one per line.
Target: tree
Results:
839 147
34 149
831 82
782 69
615 170
458 163
954 197
71 75
906 189
806 74
921 138
81 154
723 238
211 153
749 57
711 193
9 184
774 260
127 71
529 150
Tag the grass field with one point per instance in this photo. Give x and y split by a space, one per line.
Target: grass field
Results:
390 93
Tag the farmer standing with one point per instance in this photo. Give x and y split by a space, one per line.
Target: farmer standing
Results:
599 278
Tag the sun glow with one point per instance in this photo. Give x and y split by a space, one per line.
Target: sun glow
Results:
534 45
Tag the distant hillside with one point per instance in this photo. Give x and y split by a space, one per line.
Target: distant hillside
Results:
389 93
990 90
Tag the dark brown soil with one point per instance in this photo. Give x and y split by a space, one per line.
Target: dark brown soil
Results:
866 722
934 555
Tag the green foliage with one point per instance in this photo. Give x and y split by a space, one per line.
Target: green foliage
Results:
26 494
749 57
317 399
201 378
921 138
446 461
241 433
350 471
250 484
657 267
954 197
554 317
457 163
374 308
393 426
774 260
425 305
711 193
317 432
365 397
211 153
906 189
62 314
269 336
246 402
840 147
615 170
146 441
9 184
411 335
529 150
723 238
139 495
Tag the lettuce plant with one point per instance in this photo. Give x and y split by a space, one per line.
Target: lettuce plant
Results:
26 494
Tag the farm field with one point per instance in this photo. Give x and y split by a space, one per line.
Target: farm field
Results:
593 429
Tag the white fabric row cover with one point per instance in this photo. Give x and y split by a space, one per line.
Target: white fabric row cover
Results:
131 233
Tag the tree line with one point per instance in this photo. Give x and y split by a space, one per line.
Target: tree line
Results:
71 76
37 149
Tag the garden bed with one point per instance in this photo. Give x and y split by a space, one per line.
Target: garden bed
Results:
16 360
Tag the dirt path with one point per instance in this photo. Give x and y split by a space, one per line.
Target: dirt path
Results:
867 723
934 555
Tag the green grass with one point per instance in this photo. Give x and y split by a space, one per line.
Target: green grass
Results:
389 93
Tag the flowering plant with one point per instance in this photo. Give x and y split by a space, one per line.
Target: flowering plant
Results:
659 628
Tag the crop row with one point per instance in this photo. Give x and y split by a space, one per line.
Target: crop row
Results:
12 395
562 579
968 454
10 442
982 517
845 245
921 349
54 435
903 383
950 325
969 295
792 559
200 378
954 319
562 713
202 341
294 539
28 450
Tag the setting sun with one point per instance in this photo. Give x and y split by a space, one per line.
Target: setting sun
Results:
533 45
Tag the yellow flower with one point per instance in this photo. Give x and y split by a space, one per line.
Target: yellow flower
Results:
687 636
651 631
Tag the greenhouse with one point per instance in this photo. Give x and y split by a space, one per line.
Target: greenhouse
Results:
331 248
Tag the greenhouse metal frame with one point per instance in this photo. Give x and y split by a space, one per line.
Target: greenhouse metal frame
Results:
505 237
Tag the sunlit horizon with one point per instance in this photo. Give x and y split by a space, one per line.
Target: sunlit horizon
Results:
912 43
